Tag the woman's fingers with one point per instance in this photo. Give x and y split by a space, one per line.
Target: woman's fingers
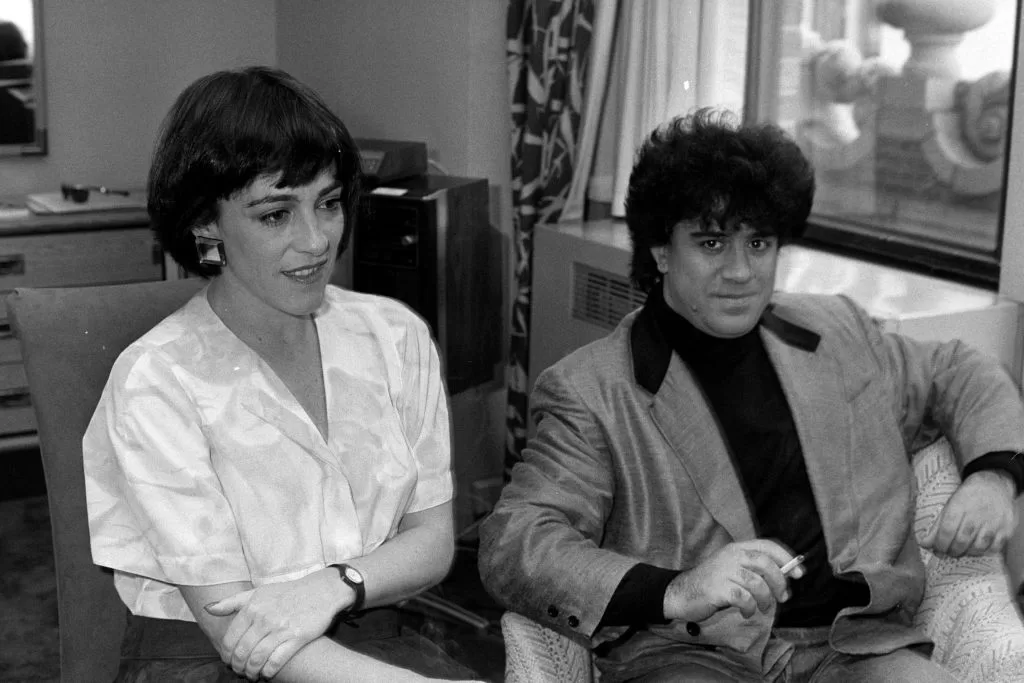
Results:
236 630
281 655
240 655
256 659
229 605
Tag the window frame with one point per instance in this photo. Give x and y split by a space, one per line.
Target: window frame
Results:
968 266
1011 263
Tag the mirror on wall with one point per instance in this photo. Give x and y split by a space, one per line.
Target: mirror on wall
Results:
22 95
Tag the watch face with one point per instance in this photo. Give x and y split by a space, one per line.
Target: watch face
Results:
352 575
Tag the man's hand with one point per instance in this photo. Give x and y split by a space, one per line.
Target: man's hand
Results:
274 621
979 517
745 575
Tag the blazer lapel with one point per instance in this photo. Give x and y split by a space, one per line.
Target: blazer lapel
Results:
812 383
681 413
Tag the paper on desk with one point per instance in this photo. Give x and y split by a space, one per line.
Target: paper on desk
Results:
11 213
54 202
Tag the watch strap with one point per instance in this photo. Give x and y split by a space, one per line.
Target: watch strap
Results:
358 586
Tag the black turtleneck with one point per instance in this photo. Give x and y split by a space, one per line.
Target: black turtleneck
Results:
744 393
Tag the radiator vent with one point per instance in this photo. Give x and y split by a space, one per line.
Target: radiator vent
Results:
602 298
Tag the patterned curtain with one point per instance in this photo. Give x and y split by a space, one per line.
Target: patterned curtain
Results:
548 54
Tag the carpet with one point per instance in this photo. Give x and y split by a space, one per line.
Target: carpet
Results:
29 636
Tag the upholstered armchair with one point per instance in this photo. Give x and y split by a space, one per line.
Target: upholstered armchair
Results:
967 609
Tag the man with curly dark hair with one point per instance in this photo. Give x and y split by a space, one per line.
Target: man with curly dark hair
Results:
719 490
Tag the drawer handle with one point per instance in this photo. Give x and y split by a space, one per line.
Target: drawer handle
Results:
15 398
12 264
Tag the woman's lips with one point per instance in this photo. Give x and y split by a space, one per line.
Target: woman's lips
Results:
305 274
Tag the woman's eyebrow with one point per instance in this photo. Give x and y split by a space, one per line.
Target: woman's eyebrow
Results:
271 199
336 185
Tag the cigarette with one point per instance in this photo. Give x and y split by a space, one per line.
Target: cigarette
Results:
791 565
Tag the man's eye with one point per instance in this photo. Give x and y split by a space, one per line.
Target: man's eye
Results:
712 245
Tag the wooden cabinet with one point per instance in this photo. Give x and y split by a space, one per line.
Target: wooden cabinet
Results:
93 248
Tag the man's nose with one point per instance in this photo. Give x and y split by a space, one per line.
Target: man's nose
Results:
737 264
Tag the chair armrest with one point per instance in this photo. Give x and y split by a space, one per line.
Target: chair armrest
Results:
968 609
536 654
1015 550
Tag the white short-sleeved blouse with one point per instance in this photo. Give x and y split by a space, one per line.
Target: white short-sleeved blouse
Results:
202 468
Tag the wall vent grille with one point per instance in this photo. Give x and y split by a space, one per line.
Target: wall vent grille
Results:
602 298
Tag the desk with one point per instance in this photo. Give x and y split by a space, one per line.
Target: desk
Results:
89 248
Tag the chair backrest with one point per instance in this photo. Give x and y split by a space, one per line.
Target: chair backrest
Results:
69 340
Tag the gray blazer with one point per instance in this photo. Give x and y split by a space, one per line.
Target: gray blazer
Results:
628 465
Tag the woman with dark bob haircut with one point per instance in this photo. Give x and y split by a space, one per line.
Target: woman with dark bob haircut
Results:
268 469
230 127
707 167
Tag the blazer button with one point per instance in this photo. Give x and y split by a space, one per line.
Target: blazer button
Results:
693 628
552 611
574 621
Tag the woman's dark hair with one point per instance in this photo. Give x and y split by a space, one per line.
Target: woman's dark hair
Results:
226 130
706 167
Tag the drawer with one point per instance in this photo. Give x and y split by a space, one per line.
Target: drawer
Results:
10 350
91 257
15 406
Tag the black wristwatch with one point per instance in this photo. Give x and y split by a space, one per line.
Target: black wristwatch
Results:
354 580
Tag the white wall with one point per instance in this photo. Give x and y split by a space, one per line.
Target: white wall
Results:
426 70
113 68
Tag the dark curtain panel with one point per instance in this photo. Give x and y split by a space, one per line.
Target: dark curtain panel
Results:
548 54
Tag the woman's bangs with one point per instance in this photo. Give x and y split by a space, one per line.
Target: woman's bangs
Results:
300 144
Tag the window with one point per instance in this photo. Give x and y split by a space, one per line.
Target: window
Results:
903 106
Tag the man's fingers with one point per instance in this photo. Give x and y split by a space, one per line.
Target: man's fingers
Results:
928 540
991 538
770 573
758 588
949 526
741 598
778 554
981 543
963 539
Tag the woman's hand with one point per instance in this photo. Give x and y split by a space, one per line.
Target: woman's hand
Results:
274 621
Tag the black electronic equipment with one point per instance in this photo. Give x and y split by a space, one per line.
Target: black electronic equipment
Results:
428 241
386 160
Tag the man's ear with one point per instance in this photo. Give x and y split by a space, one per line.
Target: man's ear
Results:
660 256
